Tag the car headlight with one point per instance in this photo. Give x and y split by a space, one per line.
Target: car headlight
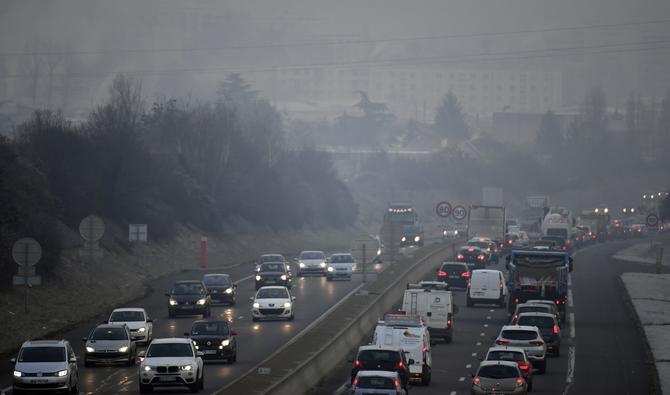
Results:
403 239
173 302
62 373
90 349
202 301
123 349
225 343
142 329
256 305
229 290
287 305
301 264
283 277
417 238
186 367
444 232
322 264
147 368
17 373
258 278
331 269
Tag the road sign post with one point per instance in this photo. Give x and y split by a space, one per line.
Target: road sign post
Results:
26 253
203 252
91 229
459 213
443 209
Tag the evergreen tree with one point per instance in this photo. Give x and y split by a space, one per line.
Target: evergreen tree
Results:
449 120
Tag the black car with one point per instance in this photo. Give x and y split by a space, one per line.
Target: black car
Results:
491 247
412 235
561 243
389 359
221 288
214 339
189 297
270 258
473 256
456 274
273 273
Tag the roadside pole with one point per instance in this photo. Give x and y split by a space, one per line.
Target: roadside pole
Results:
365 263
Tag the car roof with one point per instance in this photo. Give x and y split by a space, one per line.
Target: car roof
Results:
188 282
341 253
273 287
272 255
168 340
486 271
541 301
506 348
216 275
547 305
377 373
42 343
111 326
454 263
472 248
498 363
519 328
378 347
130 309
210 322
536 314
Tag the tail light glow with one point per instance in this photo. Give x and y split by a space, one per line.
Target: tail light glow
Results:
537 343
476 380
401 365
358 364
481 257
555 329
523 366
519 382
355 381
396 383
425 349
502 341
460 257
465 275
442 273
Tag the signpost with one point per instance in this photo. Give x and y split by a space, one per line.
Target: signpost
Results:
652 220
91 229
138 232
363 248
460 213
26 253
443 209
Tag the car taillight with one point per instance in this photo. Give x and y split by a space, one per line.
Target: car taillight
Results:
471 249
425 349
537 343
442 273
519 382
523 366
516 317
558 301
481 257
401 365
509 242
469 284
460 256
502 341
516 300
396 383
501 285
555 329
465 275
358 364
355 382
488 249
448 323
476 380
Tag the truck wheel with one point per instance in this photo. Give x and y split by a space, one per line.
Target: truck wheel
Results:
448 339
542 367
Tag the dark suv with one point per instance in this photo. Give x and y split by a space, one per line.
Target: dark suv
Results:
214 339
189 298
456 274
221 288
273 273
376 357
548 326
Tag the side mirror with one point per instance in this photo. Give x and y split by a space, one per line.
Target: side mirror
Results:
251 298
233 333
12 361
84 339
150 320
235 286
73 360
411 361
141 354
293 298
199 353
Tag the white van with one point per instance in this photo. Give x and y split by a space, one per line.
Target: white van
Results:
409 333
487 286
434 306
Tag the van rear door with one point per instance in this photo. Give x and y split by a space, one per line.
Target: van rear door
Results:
485 284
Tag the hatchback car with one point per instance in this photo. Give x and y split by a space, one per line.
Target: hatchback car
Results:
273 302
340 266
498 377
548 326
369 382
530 307
171 362
221 288
455 274
552 304
386 358
109 343
513 354
270 258
312 262
45 365
529 339
215 339
137 320
473 256
273 273
189 298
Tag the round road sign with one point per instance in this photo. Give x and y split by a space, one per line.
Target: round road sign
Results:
460 213
652 220
26 252
443 209
92 228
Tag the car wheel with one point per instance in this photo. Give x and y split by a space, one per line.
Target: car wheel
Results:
448 339
425 379
292 317
542 367
146 388
202 380
195 387
232 303
557 351
75 387
254 319
234 358
468 302
530 385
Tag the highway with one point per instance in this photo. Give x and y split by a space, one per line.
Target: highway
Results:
256 340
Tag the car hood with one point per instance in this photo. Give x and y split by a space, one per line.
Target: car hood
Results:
187 298
168 361
40 367
107 344
132 324
341 265
274 303
311 262
271 274
211 338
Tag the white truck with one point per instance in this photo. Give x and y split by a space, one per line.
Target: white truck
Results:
435 307
409 333
486 221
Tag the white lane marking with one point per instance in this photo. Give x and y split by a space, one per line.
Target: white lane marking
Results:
461 379
478 344
474 354
452 393
572 325
468 366
569 280
571 366
570 298
482 334
5 390
486 325
244 279
488 317
492 310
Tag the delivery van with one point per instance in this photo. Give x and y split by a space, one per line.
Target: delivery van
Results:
487 287
434 306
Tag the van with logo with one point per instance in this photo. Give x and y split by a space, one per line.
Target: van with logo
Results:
434 306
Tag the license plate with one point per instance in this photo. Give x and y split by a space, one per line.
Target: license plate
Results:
166 378
39 381
478 293
454 276
210 351
187 307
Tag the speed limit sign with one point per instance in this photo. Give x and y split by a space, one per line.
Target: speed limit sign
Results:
443 209
460 212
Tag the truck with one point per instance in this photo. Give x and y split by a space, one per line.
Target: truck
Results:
486 221
539 275
434 305
596 222
536 208
397 216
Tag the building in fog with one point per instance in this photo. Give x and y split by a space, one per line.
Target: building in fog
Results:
410 92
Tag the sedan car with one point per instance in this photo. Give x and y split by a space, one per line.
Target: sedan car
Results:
498 377
340 266
171 362
369 382
221 288
473 256
109 343
455 274
273 273
272 302
45 365
137 320
270 258
189 297
548 326
312 262
488 245
215 339
529 339
513 354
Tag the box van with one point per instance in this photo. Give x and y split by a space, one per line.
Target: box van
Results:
434 306
487 286
409 333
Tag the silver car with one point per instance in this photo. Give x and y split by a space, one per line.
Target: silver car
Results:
110 343
530 339
340 266
45 365
498 377
369 382
312 262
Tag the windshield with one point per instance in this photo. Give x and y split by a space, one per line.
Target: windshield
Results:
126 316
519 335
533 309
210 328
341 259
272 293
108 334
271 258
505 356
540 322
453 267
272 267
376 382
42 354
216 280
379 355
412 230
312 255
159 350
188 289
557 232
498 372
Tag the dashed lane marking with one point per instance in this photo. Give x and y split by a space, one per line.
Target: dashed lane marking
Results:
570 303
468 366
488 317
461 379
492 310
482 334
478 344
474 354
486 325
452 393
569 377
572 325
